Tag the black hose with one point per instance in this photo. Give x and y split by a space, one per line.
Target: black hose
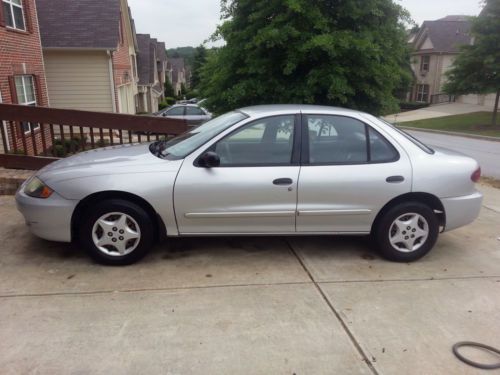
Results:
472 363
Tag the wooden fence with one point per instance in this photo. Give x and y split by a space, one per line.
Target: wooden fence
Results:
33 137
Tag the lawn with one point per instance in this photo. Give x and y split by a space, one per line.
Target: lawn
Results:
476 123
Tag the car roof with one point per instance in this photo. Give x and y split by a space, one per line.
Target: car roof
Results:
289 108
184 105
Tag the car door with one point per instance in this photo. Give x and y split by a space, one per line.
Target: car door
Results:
254 190
349 172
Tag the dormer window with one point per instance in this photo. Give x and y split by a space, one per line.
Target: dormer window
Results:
13 13
424 63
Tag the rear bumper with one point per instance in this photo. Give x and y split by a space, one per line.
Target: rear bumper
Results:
49 218
461 211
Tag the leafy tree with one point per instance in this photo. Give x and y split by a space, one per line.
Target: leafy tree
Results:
335 52
183 90
200 58
187 53
477 69
169 89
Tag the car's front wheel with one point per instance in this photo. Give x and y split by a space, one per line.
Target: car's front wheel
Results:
116 232
407 232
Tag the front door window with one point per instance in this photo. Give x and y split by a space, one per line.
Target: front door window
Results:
268 141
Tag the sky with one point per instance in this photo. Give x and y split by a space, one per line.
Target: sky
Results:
182 23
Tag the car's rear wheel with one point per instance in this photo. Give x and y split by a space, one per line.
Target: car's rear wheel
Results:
407 232
117 232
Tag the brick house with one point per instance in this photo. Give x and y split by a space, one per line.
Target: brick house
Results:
89 50
22 77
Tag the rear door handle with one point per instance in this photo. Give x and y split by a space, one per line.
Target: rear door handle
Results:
283 181
395 179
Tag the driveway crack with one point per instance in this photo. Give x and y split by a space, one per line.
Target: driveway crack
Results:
335 312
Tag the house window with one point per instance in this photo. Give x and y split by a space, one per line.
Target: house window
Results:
134 66
14 17
423 93
424 63
26 95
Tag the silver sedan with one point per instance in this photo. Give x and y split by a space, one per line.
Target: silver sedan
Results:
266 170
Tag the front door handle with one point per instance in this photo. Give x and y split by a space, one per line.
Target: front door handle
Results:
283 181
395 179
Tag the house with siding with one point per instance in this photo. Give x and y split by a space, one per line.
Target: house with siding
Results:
22 76
435 47
177 67
161 66
150 88
89 50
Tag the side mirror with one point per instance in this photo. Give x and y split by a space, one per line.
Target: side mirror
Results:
209 159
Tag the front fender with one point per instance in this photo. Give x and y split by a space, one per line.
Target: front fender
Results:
156 188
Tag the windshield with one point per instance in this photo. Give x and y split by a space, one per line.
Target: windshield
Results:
411 138
183 145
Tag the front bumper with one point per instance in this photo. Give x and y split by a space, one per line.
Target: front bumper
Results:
49 218
461 211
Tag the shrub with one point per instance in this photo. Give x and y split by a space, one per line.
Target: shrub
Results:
102 143
409 106
58 150
170 101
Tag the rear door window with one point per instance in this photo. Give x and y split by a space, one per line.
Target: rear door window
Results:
345 140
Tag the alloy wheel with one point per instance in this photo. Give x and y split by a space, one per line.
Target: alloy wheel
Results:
408 232
116 234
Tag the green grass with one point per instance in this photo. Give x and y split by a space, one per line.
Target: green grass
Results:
474 123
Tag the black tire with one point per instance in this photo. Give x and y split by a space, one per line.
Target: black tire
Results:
385 225
136 212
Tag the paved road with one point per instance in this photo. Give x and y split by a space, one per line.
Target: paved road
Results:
487 153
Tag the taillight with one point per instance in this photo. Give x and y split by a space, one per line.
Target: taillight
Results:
476 175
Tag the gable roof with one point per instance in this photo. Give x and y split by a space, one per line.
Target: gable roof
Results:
446 34
93 24
161 51
177 63
146 63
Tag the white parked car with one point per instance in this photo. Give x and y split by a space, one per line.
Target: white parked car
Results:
266 170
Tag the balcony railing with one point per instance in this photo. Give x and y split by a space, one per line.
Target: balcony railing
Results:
32 137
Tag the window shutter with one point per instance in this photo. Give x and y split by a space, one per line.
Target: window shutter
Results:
13 91
27 15
2 16
38 91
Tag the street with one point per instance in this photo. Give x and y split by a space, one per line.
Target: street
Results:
487 153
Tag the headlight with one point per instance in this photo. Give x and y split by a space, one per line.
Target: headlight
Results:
37 189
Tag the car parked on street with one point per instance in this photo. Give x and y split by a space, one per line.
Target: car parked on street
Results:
265 170
192 113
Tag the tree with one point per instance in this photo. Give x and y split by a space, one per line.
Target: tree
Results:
169 89
183 90
476 69
335 52
200 58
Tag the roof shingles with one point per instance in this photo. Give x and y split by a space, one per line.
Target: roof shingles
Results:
90 24
446 34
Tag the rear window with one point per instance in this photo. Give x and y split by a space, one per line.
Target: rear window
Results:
411 138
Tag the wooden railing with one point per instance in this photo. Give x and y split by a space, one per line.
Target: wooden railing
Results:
32 137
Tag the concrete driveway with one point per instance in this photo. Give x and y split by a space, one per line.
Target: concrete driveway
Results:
311 305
